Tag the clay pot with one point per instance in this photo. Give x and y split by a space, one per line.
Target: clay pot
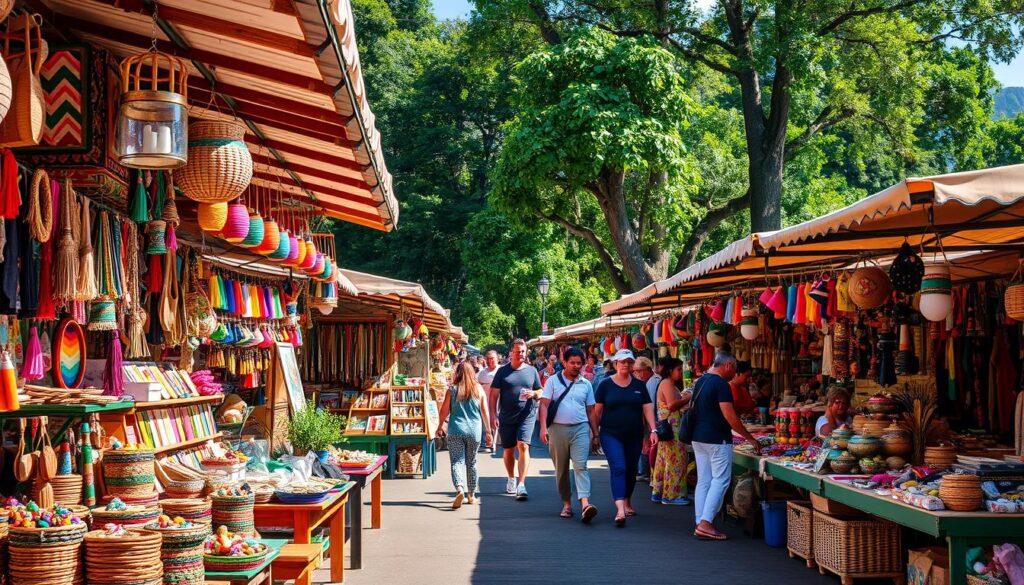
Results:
840 438
896 442
861 446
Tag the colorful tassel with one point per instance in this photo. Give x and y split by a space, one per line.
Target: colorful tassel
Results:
113 375
33 369
140 202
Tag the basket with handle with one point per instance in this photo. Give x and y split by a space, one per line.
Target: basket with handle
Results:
219 164
799 530
1013 297
23 124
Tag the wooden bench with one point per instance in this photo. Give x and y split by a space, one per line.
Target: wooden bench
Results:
297 561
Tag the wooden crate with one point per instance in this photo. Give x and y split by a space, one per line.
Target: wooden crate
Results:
800 531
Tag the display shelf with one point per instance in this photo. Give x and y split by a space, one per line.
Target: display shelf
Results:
29 410
408 410
361 413
188 444
179 402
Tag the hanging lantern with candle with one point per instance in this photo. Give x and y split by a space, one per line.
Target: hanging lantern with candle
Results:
152 123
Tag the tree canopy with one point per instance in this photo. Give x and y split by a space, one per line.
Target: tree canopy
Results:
609 143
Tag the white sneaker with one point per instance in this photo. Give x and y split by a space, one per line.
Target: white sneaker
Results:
521 494
510 486
458 500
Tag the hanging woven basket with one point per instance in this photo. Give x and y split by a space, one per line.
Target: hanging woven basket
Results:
1014 300
219 164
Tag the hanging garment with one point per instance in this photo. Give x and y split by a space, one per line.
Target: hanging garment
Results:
1003 380
9 269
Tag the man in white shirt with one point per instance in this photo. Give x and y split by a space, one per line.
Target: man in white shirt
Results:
572 424
484 377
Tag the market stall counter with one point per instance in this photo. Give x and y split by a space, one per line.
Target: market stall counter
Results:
371 475
305 518
960 529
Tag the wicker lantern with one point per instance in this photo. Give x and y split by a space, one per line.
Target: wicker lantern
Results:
152 123
219 164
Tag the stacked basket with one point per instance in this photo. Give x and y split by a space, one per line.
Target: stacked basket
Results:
191 509
50 556
125 557
3 544
129 472
961 492
940 457
127 516
190 488
234 512
67 489
182 553
83 512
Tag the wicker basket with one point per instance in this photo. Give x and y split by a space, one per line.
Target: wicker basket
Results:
231 564
857 548
1013 298
23 122
219 164
84 513
181 552
129 472
800 530
192 488
133 516
50 556
961 492
5 8
67 489
3 545
192 509
132 558
940 457
234 512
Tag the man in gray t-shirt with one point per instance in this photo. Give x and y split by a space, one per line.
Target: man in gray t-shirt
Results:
515 390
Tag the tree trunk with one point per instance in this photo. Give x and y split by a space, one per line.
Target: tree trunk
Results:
609 193
766 191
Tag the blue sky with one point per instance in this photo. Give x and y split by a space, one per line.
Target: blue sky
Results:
1011 74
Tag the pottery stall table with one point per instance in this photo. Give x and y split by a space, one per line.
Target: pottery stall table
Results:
960 529
305 518
255 576
371 475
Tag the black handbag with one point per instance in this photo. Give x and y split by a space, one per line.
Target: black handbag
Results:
553 407
687 422
664 430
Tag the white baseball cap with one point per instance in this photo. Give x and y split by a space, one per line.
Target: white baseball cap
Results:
623 354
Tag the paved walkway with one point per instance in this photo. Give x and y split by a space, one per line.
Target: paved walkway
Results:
502 540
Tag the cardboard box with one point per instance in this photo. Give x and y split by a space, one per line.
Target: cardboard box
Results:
928 566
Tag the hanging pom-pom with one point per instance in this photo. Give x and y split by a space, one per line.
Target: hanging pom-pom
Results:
33 369
113 376
140 202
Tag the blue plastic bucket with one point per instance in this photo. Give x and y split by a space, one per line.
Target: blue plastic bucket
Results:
774 523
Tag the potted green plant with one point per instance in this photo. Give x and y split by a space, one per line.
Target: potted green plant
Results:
314 429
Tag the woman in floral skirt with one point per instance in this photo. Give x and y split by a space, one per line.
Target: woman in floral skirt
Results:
668 476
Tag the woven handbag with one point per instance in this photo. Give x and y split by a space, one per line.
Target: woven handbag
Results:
23 125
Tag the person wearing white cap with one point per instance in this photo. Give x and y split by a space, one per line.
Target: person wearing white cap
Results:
623 406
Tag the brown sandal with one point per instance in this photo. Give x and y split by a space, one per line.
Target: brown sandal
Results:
620 521
588 514
566 513
703 535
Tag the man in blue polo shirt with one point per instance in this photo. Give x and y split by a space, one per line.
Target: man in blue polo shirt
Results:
515 390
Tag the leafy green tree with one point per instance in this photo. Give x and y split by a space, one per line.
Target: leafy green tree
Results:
600 118
803 71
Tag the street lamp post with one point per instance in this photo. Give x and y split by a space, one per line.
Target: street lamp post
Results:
542 287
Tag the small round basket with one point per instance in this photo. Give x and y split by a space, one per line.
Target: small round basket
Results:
196 510
232 564
130 558
46 537
1013 298
961 492
131 516
192 488
181 553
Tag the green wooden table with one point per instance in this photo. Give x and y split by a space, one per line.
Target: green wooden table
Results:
255 576
960 529
70 412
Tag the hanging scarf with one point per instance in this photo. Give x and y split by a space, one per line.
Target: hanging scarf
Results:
10 191
47 310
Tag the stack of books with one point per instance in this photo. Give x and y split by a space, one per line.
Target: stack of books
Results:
174 383
165 427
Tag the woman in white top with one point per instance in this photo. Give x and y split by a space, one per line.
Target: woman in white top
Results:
837 412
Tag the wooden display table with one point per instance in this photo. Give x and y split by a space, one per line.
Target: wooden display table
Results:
960 529
256 576
71 412
297 562
304 518
373 475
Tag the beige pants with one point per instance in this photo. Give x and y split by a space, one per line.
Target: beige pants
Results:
570 443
